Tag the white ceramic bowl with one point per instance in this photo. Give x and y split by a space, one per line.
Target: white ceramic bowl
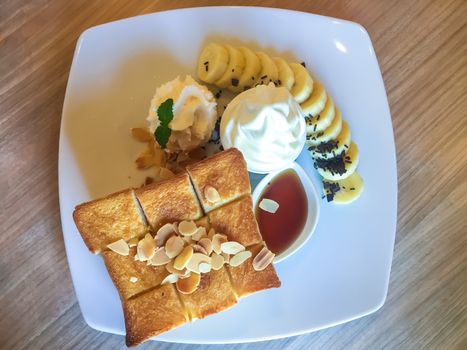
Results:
313 207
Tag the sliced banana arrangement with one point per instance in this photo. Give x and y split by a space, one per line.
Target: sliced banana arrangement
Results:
328 137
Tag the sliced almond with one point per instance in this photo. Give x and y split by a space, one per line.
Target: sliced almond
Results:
211 194
172 278
163 234
141 134
226 257
119 247
170 267
217 240
146 248
211 233
204 267
187 228
160 257
263 259
232 247
196 259
133 242
240 258
136 257
159 160
133 279
144 161
182 259
188 240
206 244
217 261
188 285
174 246
200 233
199 249
269 205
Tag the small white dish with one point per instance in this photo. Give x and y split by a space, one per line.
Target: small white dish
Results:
313 207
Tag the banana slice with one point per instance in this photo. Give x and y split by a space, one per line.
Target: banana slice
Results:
212 62
269 72
303 86
330 133
344 191
316 102
339 167
286 76
250 72
323 120
234 69
334 147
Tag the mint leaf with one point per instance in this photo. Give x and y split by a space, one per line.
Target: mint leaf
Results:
162 135
165 115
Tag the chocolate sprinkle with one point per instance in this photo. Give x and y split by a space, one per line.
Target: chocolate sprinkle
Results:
206 67
324 147
218 94
233 70
334 165
205 63
303 64
263 77
352 188
235 82
314 128
331 188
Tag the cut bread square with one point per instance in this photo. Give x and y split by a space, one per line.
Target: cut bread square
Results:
151 313
169 201
226 172
246 280
123 268
237 221
214 294
106 220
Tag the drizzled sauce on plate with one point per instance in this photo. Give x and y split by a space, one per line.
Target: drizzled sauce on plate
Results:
281 229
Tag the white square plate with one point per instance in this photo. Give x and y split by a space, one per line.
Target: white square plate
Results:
342 273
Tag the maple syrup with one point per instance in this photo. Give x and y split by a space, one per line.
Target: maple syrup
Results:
281 229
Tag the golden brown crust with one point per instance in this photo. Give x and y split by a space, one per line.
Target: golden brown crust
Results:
121 268
226 172
246 280
237 221
152 313
214 294
169 201
106 220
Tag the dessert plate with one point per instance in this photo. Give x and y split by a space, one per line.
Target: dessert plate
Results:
342 272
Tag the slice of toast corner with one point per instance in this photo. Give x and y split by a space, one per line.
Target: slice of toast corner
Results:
226 172
106 220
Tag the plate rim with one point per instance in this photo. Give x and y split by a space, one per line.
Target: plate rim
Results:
61 155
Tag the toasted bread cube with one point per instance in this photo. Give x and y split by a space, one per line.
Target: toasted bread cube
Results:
246 280
226 172
122 268
214 294
169 201
237 221
152 313
106 220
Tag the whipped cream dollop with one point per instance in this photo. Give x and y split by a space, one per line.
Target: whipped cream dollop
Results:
194 110
267 125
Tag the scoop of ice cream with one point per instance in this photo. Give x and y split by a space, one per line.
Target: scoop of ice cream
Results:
267 125
194 113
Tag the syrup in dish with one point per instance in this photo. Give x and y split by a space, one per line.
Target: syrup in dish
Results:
281 229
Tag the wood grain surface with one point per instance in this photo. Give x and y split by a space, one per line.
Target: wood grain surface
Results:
422 50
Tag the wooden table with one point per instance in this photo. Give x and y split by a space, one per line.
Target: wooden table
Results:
422 51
